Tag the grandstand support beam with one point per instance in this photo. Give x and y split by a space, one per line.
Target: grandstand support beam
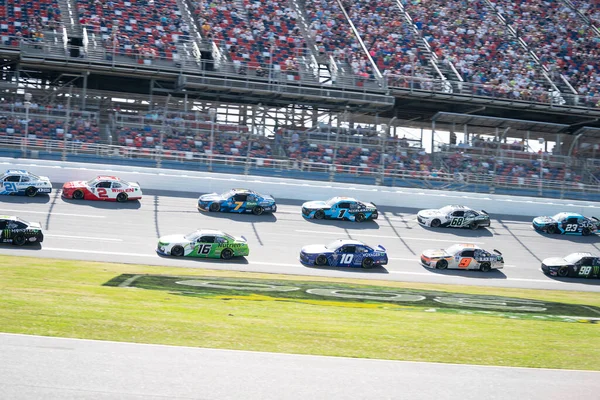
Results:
562 187
67 121
162 132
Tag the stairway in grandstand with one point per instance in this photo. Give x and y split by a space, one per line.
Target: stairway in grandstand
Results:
70 18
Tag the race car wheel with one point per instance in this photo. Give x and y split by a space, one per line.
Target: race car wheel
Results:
19 240
435 223
585 232
551 229
30 191
485 267
360 217
258 210
78 195
214 207
368 263
441 264
321 260
121 197
474 225
177 251
563 271
319 214
226 254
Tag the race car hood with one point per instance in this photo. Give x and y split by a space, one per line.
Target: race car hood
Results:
169 239
34 225
44 178
315 204
267 199
134 184
543 220
370 205
554 261
210 197
74 184
428 213
315 249
435 253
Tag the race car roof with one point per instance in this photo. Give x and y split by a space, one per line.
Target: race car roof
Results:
567 214
342 242
11 217
107 178
17 172
236 190
211 232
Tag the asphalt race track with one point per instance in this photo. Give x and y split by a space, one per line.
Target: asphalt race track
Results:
128 233
35 367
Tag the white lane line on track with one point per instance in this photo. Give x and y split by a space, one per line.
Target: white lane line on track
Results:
110 253
386 237
462 277
417 260
82 237
4 211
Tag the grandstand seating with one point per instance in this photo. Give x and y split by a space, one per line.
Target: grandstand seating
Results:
144 29
27 19
80 130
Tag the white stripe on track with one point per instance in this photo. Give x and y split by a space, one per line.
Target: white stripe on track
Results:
82 237
4 211
389 237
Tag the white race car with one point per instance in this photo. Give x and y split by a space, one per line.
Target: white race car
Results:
18 181
106 188
454 217
462 256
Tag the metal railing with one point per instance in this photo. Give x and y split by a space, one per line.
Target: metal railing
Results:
388 174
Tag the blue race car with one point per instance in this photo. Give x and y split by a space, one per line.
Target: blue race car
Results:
21 182
237 201
340 208
567 223
343 253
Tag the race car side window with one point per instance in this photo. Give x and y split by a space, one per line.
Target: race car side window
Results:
468 253
104 184
2 224
240 197
361 249
116 185
219 239
207 239
25 179
344 205
458 213
572 220
12 178
587 261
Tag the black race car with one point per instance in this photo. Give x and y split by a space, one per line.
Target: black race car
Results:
18 232
575 265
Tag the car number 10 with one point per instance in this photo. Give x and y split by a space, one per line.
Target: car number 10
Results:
346 258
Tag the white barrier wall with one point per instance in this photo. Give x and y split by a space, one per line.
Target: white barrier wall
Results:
206 182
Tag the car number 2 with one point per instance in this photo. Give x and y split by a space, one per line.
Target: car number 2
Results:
102 193
346 258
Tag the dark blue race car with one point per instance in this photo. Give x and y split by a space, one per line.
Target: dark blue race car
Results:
567 223
237 201
340 208
343 253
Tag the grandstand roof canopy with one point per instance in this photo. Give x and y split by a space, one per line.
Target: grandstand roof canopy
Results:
496 122
588 131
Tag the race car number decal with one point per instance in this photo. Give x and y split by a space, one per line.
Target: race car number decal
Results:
204 248
238 204
10 186
342 213
102 193
571 228
457 221
464 263
346 258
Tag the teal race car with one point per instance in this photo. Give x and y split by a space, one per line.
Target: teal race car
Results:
203 243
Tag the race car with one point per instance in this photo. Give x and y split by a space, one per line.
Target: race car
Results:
340 208
575 265
21 182
567 223
203 243
462 256
344 253
18 232
454 217
108 188
237 201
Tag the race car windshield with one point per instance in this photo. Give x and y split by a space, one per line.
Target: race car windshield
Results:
34 177
228 194
91 182
454 249
191 236
446 209
333 245
331 201
573 258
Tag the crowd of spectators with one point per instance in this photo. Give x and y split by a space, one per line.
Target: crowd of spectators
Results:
27 21
142 29
560 38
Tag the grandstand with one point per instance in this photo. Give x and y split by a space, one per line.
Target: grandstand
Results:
327 89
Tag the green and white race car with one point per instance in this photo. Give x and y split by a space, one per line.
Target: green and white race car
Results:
203 243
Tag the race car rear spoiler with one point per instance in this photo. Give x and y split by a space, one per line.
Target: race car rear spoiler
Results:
497 251
381 247
596 221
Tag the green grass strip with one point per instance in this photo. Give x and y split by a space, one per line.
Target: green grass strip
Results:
73 299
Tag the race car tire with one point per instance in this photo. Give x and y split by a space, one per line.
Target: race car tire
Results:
551 229
319 214
563 271
321 260
258 210
435 223
78 195
441 264
19 240
586 232
474 225
30 191
368 263
485 267
226 254
122 197
177 251
214 207
360 217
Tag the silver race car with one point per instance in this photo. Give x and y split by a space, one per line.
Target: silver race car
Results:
462 256
454 217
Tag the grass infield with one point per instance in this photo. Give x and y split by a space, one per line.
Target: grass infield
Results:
84 300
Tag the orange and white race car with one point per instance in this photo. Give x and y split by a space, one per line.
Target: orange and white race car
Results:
106 188
462 256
